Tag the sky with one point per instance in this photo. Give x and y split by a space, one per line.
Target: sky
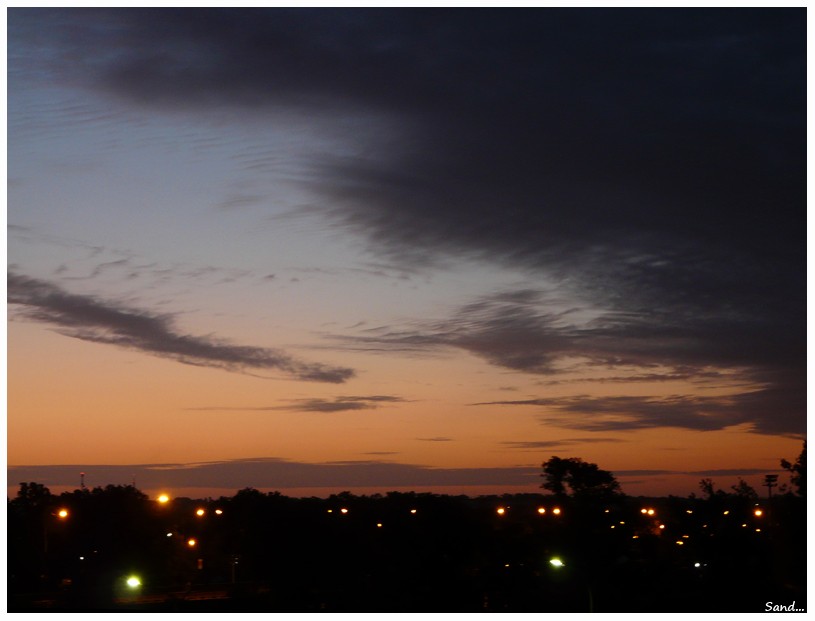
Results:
319 250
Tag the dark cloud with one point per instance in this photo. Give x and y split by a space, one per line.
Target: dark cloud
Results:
519 331
652 162
92 319
691 412
281 474
275 474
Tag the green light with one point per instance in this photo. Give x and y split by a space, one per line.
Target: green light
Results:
556 562
133 582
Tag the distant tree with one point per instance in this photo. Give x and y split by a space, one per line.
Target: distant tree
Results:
798 471
743 490
581 478
33 496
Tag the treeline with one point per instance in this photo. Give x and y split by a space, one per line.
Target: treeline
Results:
404 552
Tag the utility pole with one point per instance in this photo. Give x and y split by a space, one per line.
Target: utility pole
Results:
770 481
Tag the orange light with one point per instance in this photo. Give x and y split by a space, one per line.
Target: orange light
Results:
662 525
218 511
651 512
343 510
413 511
164 498
200 512
758 512
556 511
63 513
643 510
501 511
191 542
680 543
541 510
379 524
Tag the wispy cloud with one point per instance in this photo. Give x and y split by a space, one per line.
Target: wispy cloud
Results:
101 321
549 444
336 404
619 413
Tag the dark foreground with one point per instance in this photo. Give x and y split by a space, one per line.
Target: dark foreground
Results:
404 553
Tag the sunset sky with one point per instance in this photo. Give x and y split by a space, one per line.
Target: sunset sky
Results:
317 250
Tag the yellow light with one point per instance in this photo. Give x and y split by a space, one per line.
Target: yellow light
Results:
200 512
218 511
688 511
191 542
680 543
501 511
662 526
330 511
758 530
726 513
758 512
635 537
643 510
413 511
133 582
541 510
63 513
651 512
556 562
379 524
343 510
556 511
164 498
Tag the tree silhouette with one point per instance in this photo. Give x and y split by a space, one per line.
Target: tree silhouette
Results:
798 470
581 478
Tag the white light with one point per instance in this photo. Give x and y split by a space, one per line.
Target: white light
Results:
556 562
133 582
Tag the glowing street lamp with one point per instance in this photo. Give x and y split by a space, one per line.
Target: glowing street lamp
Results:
501 511
133 582
541 510
556 510
62 514
191 543
163 499
758 512
200 512
556 562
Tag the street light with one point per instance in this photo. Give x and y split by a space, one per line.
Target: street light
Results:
163 499
62 514
133 582
556 562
